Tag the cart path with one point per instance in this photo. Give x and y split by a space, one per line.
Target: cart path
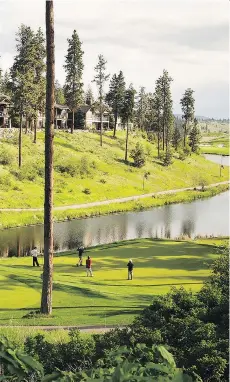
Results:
110 201
83 329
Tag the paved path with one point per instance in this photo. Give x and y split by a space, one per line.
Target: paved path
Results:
83 329
110 201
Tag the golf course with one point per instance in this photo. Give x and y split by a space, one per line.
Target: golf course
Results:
107 298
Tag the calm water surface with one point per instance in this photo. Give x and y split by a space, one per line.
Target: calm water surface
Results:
202 217
219 159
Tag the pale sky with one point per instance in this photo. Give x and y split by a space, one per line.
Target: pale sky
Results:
189 38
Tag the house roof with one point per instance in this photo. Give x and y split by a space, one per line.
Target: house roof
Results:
58 106
85 108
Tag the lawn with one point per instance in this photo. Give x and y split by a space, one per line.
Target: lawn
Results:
215 144
108 297
85 172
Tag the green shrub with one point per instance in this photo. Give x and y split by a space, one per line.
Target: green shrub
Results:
7 155
87 191
138 155
168 158
68 166
181 155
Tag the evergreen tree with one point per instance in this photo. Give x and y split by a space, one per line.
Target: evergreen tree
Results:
59 94
163 110
115 96
5 84
138 155
127 113
176 139
39 83
89 98
194 137
157 118
47 284
100 79
187 105
22 78
74 66
141 109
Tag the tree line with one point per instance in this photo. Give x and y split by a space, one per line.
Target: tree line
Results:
151 112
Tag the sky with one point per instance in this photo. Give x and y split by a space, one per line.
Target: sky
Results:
189 38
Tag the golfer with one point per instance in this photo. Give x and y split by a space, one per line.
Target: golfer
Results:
89 271
80 252
130 266
34 254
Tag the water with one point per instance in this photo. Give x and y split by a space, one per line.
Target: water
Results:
201 217
219 159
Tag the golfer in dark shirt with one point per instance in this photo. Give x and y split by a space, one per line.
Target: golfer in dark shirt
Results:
130 266
80 251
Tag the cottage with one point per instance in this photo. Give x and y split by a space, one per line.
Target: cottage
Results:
4 111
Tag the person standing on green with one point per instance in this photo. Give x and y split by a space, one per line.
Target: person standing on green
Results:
130 266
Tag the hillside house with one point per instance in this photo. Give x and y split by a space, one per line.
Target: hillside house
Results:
4 111
88 117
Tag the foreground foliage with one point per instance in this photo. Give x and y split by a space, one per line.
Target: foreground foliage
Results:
193 327
123 365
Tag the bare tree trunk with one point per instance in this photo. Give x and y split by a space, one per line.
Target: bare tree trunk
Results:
46 300
126 143
101 118
185 133
72 126
158 143
26 126
35 131
115 126
20 143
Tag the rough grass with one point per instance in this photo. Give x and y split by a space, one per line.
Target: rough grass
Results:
108 297
16 219
80 164
213 144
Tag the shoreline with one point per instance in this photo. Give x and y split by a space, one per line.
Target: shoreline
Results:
139 204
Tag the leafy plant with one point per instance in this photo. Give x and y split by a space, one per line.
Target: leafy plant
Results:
138 155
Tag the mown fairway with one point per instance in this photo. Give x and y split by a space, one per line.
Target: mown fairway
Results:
108 297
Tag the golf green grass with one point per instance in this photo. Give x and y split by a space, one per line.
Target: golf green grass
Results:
108 297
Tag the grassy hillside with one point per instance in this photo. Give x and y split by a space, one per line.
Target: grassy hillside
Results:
85 172
215 144
108 297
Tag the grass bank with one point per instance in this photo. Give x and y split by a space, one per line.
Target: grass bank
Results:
108 297
16 219
84 172
215 144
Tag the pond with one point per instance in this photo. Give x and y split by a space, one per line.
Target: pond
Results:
219 159
201 217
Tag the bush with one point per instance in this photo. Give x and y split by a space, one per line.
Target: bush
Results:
68 166
168 158
182 155
87 191
187 150
138 155
7 155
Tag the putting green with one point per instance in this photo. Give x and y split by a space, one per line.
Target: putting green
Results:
108 297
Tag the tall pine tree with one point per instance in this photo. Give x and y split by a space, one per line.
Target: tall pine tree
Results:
115 96
47 284
141 109
74 66
127 113
100 79
22 78
194 137
187 105
164 105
